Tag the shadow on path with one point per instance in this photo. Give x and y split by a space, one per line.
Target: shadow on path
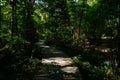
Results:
56 65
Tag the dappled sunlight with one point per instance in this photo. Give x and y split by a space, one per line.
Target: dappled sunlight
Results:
105 50
58 60
66 64
45 46
70 69
59 40
55 72
56 65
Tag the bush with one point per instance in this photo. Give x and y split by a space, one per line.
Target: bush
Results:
16 62
89 71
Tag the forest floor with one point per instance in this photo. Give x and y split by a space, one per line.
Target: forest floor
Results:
56 65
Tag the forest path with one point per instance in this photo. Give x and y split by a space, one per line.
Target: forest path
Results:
56 65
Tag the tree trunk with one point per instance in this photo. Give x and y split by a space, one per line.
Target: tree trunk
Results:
77 30
118 38
14 29
0 15
30 33
118 42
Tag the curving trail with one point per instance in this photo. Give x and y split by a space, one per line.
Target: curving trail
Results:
56 65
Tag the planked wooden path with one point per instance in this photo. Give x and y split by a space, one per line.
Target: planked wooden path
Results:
56 65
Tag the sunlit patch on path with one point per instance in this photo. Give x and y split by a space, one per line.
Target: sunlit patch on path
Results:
56 65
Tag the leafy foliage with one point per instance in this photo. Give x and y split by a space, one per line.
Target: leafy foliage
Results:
16 50
85 29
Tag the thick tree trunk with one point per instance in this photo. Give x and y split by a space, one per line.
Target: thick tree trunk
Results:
0 15
14 29
30 33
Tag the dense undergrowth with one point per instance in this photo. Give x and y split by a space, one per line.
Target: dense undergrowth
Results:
93 64
66 24
16 61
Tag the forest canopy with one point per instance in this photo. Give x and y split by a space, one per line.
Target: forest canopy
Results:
87 28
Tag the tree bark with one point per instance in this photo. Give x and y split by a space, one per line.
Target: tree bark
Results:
14 29
0 14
